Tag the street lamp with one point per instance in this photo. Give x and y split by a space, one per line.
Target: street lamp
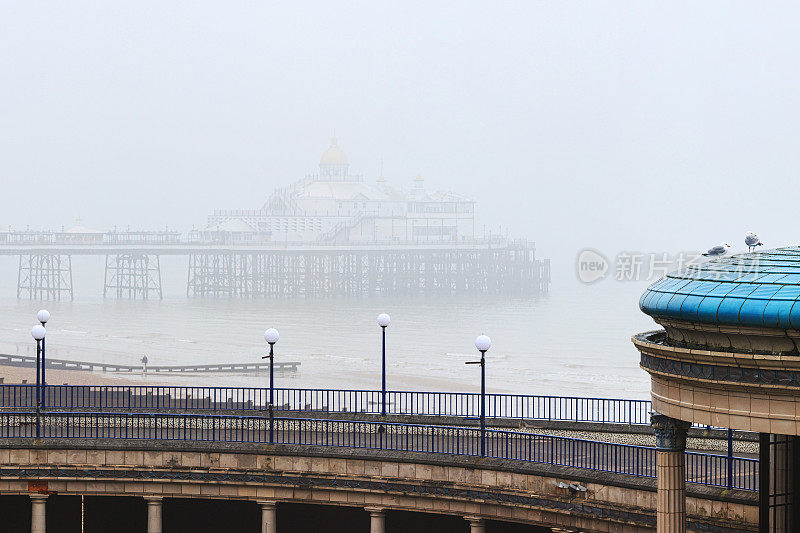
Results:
271 336
38 333
482 343
383 322
43 316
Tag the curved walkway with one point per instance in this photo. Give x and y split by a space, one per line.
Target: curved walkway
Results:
518 446
468 486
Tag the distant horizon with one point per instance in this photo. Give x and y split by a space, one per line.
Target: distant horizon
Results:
611 125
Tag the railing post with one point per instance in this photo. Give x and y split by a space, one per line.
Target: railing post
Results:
730 458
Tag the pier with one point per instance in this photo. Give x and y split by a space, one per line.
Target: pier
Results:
133 270
65 364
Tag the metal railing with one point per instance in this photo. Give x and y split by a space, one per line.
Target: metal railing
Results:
722 471
639 461
456 404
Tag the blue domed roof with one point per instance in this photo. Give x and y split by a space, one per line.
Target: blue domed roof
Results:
755 289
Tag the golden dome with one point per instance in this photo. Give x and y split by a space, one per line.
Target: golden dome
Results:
333 155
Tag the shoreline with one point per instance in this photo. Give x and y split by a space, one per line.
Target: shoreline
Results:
14 375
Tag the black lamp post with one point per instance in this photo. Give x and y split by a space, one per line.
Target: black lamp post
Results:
383 322
482 343
271 336
38 333
43 316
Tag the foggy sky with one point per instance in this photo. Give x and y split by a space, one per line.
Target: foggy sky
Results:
621 126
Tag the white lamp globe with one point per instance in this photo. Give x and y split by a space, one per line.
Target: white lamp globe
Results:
271 336
38 332
483 343
383 320
43 316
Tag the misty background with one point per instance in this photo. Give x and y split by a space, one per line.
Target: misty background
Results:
620 126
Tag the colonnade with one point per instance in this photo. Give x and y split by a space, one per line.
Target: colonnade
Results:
377 516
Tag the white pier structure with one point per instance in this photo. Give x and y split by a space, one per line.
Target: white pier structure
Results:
133 271
334 206
329 233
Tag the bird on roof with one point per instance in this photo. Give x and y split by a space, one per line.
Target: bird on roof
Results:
752 240
720 249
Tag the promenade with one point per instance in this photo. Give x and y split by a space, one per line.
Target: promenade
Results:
486 458
308 417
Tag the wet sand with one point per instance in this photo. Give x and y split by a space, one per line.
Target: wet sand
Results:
15 374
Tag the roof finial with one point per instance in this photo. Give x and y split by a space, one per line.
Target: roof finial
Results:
381 179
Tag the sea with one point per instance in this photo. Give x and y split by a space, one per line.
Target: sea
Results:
573 341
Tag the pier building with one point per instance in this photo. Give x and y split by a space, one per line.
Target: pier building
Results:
335 205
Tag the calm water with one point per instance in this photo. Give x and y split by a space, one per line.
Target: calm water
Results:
575 341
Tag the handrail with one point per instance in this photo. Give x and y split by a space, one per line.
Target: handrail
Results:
420 403
632 460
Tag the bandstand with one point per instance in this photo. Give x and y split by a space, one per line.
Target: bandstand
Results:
728 357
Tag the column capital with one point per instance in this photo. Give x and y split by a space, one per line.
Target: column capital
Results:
375 510
38 495
267 504
670 432
153 499
474 519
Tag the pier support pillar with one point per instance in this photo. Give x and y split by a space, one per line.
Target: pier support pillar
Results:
269 516
671 473
476 524
377 519
45 277
133 275
38 513
153 513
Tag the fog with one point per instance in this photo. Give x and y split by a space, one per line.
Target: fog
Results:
621 126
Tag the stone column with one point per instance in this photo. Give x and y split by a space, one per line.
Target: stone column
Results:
476 524
38 513
269 516
671 472
377 519
153 513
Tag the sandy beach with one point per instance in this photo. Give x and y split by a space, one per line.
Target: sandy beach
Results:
16 375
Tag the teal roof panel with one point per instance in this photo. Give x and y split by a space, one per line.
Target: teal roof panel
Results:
755 289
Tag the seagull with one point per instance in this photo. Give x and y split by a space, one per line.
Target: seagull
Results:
720 249
752 240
